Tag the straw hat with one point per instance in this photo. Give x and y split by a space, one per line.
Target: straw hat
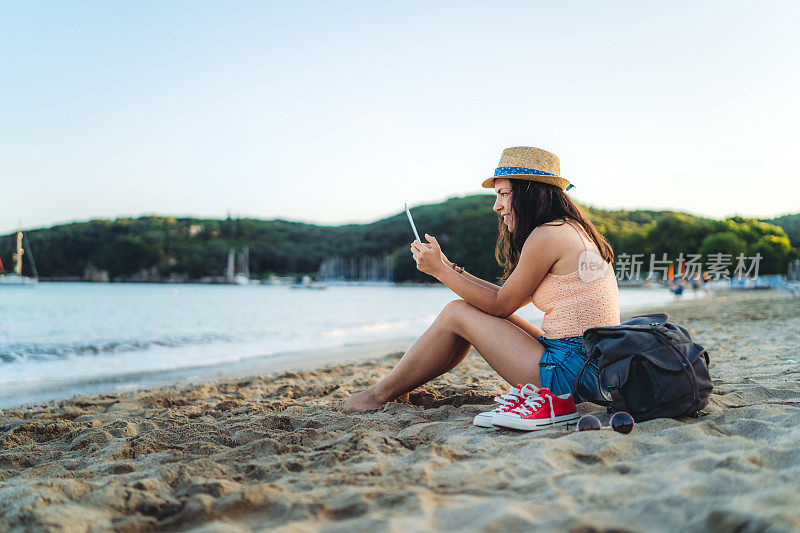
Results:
528 163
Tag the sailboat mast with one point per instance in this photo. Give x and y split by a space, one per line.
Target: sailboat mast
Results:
30 258
230 269
18 255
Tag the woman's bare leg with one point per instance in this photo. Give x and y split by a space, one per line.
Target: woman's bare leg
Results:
518 321
511 350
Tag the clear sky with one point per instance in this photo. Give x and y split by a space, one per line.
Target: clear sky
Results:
333 112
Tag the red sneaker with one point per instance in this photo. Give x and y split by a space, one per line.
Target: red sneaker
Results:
514 397
538 412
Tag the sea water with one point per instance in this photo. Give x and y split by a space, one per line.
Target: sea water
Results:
61 339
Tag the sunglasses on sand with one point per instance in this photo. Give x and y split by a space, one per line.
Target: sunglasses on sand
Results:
621 422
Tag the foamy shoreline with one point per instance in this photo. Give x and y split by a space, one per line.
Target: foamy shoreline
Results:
57 390
270 452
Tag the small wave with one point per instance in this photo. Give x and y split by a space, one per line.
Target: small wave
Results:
379 327
47 352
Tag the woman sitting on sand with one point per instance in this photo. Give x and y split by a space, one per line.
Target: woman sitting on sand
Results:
553 256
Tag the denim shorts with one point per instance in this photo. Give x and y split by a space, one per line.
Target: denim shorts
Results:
561 361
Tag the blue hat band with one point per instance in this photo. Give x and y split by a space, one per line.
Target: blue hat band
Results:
505 171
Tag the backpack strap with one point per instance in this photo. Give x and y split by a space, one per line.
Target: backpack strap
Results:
688 368
579 375
604 400
578 380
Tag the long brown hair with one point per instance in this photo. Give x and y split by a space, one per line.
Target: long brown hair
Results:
533 204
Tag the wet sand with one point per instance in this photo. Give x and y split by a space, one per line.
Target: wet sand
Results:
270 452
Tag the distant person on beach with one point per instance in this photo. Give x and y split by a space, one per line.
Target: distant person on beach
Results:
552 256
677 288
706 281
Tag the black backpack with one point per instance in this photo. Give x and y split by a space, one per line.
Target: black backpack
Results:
649 368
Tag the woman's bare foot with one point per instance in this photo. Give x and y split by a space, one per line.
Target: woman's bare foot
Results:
361 401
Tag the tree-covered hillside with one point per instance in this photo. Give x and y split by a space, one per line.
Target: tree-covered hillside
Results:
158 248
790 224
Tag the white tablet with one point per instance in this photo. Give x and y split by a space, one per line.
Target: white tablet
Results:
411 220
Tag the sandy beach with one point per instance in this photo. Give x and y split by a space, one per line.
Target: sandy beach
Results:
271 453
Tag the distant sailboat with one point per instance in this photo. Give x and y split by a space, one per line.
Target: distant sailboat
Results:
243 276
16 277
307 283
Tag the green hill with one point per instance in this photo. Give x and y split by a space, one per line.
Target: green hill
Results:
790 224
159 248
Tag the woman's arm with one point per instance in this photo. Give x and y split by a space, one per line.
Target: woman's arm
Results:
475 279
538 255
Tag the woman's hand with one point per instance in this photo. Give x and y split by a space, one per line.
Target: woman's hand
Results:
429 256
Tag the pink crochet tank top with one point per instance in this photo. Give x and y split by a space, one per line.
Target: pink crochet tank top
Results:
572 305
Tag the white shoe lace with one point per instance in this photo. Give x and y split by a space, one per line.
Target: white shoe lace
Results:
515 394
532 404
